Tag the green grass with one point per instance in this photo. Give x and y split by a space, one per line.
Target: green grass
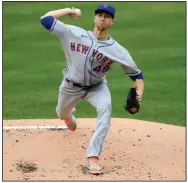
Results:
153 32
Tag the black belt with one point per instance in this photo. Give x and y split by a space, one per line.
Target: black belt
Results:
79 85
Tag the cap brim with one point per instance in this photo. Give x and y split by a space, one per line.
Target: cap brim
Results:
103 11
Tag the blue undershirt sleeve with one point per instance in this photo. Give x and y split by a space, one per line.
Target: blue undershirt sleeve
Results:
48 22
139 76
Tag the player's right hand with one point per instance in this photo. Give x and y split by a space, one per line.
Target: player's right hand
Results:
73 13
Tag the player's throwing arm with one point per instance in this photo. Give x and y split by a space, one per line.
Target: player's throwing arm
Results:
74 13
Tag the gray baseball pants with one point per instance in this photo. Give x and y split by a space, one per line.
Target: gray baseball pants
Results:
99 97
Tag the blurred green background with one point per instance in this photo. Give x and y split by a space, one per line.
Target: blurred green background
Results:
153 32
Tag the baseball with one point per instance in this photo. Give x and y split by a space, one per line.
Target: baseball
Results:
78 12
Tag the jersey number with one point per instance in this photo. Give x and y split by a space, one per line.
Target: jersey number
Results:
101 69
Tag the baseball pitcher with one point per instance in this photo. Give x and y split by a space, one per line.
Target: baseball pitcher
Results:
89 56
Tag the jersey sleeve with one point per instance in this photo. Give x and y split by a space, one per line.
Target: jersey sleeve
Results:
129 65
124 58
61 30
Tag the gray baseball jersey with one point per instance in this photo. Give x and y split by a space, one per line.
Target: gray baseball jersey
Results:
88 59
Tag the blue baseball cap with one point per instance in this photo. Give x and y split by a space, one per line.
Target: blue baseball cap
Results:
106 8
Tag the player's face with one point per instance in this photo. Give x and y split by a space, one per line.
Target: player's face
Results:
103 21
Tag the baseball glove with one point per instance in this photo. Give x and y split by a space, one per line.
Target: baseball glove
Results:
132 104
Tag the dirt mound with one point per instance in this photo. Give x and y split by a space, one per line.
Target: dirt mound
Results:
134 150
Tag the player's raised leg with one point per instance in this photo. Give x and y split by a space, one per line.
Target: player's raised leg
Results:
99 96
66 103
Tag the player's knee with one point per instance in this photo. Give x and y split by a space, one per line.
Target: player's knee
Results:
60 114
61 117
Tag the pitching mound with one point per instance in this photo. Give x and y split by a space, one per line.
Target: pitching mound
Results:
134 150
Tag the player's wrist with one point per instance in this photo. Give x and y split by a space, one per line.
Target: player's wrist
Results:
139 94
70 11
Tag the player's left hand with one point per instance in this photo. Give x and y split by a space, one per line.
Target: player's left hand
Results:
132 103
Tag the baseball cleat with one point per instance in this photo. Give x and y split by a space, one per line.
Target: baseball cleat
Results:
71 123
93 166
